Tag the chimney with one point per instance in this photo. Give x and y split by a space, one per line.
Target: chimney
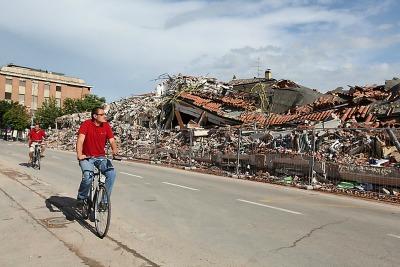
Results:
268 74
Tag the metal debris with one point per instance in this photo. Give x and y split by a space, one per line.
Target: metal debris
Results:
201 123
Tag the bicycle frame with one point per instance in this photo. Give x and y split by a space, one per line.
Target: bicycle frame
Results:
38 148
97 180
99 199
36 156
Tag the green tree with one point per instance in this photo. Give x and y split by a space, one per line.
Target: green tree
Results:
70 106
48 113
82 105
4 107
91 101
17 117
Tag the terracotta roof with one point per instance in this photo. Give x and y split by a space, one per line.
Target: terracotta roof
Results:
201 102
282 84
237 102
310 112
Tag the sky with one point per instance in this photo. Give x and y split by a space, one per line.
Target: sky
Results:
121 47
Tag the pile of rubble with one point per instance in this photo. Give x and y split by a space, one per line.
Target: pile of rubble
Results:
210 102
64 136
196 122
176 84
359 147
366 107
140 110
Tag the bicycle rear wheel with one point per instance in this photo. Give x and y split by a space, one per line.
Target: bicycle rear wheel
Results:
102 211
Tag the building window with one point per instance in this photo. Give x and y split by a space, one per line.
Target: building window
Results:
35 90
21 92
46 92
21 99
7 96
8 89
34 102
58 95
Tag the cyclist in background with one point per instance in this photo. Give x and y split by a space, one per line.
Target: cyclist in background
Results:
90 151
36 136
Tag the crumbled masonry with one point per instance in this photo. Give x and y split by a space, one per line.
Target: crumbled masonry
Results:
344 141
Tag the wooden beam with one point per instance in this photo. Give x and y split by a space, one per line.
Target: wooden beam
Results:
168 123
196 112
179 118
203 118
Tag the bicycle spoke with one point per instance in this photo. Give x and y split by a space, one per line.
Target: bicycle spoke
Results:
102 211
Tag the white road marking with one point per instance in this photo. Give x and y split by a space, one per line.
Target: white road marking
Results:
271 207
138 176
182 186
395 236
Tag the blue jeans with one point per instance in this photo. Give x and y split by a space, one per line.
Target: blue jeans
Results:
87 166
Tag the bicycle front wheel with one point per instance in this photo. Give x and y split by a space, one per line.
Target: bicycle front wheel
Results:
102 211
38 161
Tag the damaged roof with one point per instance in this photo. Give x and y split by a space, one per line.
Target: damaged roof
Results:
290 103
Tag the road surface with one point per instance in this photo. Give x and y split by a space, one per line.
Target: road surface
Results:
169 217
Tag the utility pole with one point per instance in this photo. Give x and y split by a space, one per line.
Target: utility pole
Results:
238 153
258 66
191 146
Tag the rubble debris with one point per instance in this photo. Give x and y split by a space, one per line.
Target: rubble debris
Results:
330 144
140 110
346 185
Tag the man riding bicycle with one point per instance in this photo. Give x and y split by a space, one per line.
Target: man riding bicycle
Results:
36 136
90 151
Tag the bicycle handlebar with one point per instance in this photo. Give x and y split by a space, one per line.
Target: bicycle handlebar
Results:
116 158
113 158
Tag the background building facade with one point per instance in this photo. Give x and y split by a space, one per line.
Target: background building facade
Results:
32 87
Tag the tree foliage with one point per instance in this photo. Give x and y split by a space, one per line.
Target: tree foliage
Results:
16 117
47 114
4 107
82 105
70 106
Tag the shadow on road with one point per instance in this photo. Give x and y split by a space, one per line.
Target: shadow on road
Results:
25 164
67 206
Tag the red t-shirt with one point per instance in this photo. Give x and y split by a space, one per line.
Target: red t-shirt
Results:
95 138
36 136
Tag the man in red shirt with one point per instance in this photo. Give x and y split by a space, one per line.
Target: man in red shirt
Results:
36 136
90 151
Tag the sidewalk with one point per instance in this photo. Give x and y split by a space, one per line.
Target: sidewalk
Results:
40 227
24 240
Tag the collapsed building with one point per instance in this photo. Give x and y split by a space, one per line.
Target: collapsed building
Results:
266 129
271 103
206 100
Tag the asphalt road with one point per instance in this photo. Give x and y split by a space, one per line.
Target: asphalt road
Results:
170 217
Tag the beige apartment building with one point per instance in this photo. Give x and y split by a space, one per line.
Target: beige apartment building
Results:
31 87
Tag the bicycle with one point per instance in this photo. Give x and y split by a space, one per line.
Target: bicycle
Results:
99 201
36 157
